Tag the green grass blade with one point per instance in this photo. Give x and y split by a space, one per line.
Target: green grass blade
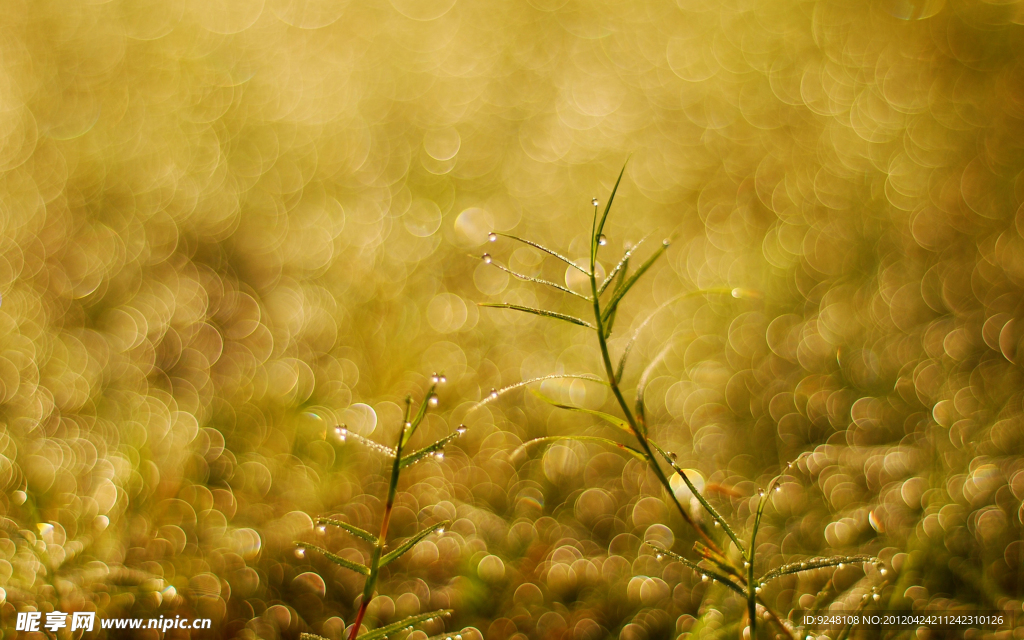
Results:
538 312
607 417
699 569
419 455
418 418
812 564
410 543
356 531
700 498
599 228
527 278
401 625
310 636
336 559
639 455
497 393
547 251
619 267
611 318
613 302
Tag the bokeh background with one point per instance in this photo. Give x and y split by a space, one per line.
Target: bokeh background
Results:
228 225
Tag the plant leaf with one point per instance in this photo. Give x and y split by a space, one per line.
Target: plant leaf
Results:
623 263
416 456
356 531
547 251
639 455
700 498
607 417
699 569
391 556
336 559
611 318
811 564
599 228
538 312
415 422
613 302
557 376
527 278
407 623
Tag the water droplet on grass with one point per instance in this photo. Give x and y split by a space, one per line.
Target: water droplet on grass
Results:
601 240
492 237
486 258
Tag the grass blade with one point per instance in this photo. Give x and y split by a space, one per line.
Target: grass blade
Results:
639 455
538 312
497 393
407 623
420 414
599 228
611 318
336 559
696 567
812 564
607 417
613 302
419 455
356 531
410 543
703 501
547 251
619 267
527 278
310 636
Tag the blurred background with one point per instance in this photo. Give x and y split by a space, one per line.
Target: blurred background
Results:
229 225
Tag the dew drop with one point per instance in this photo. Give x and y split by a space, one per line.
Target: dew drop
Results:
876 597
439 455
841 565
659 556
300 552
703 577
778 488
757 589
717 523
493 237
440 531
435 378
486 258
666 242
494 394
441 379
594 201
461 430
760 492
884 571
321 529
432 401
746 565
601 240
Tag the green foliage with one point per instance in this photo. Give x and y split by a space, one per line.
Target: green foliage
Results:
739 580
380 559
